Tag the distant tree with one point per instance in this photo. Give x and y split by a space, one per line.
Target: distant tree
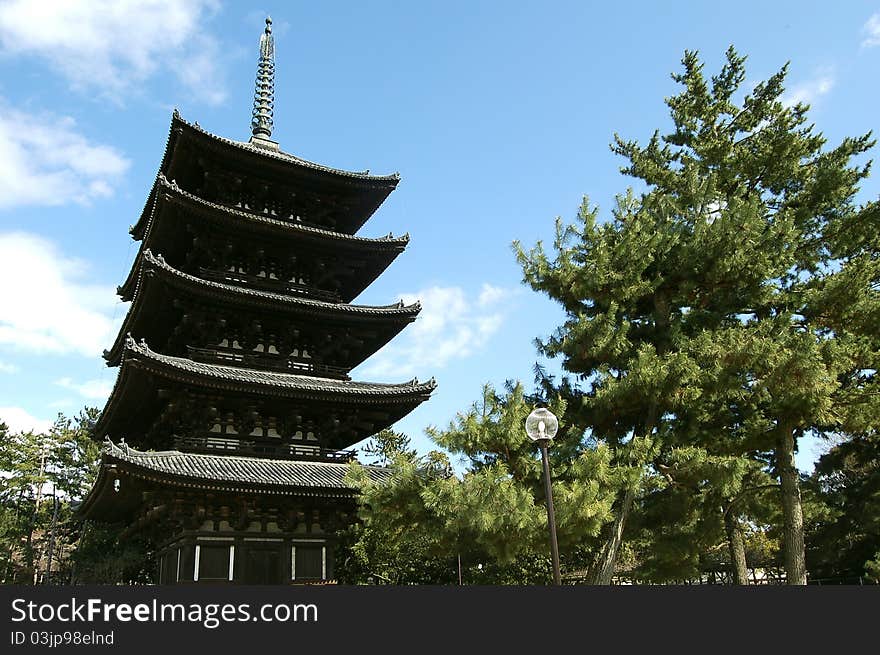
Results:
100 557
732 305
44 474
845 537
43 477
383 447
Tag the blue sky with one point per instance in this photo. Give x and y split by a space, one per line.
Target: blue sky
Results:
497 115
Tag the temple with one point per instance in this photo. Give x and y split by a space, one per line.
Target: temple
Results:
226 431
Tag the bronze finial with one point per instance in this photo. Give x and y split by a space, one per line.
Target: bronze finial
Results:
264 94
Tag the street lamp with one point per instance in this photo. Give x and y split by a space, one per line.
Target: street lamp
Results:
541 426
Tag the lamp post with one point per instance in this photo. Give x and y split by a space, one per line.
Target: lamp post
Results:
541 426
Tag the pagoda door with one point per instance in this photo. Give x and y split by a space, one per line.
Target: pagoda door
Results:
263 566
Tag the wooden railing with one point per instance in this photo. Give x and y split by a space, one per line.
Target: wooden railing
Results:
257 360
268 284
218 445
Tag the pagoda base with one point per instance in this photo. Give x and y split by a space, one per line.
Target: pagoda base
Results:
250 558
216 519
210 538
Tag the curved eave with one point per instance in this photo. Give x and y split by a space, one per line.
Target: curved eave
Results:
165 192
378 253
152 269
181 127
374 188
139 357
128 289
239 470
220 473
140 228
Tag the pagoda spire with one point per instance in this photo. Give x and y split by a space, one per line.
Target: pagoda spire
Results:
264 94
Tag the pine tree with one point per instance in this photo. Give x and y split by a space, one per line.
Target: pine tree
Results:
703 518
42 475
845 537
494 513
706 311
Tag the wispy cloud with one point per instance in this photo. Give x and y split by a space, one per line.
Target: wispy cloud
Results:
872 31
90 389
452 325
8 368
18 420
810 91
51 309
111 46
44 160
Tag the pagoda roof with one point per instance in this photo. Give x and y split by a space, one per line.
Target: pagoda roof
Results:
361 178
127 400
365 191
150 263
367 257
221 473
150 268
171 192
269 382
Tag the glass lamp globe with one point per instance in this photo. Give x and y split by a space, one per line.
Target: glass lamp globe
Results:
541 424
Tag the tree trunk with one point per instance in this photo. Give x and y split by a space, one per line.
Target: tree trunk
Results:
36 556
737 547
792 511
54 525
607 560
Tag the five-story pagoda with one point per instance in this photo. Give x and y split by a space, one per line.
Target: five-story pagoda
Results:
226 427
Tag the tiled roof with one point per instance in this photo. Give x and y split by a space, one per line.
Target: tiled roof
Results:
365 176
239 470
152 269
325 308
185 197
281 383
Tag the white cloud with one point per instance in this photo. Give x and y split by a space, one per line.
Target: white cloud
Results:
45 161
199 72
18 420
872 29
110 46
810 91
51 310
489 295
91 389
8 368
451 326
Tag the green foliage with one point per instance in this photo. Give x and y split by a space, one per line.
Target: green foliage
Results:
731 307
494 515
845 530
711 322
872 568
680 530
43 476
387 444
101 558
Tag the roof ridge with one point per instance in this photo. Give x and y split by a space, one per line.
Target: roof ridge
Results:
162 180
128 451
285 156
306 382
291 475
134 452
158 260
